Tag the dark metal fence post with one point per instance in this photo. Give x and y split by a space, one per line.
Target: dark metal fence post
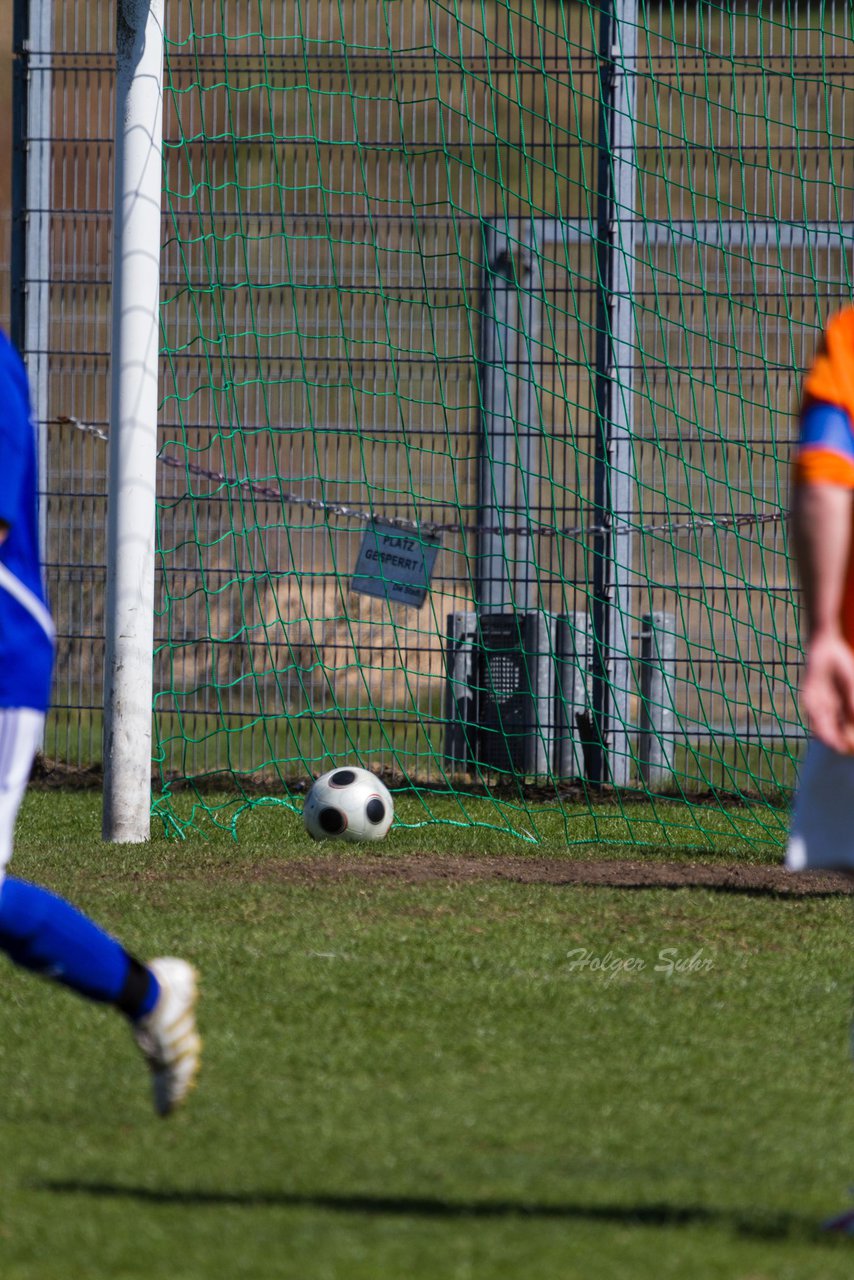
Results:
499 335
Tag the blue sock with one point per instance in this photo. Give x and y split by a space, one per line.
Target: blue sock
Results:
44 933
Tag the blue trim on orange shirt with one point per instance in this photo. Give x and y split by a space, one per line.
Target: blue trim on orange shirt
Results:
827 426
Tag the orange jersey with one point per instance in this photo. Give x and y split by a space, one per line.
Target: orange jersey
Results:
826 449
825 453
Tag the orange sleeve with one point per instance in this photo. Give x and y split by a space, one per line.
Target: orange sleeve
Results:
831 378
823 466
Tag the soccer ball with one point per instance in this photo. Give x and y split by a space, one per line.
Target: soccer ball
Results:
348 804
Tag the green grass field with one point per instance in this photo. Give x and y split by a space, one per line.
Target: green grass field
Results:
409 1081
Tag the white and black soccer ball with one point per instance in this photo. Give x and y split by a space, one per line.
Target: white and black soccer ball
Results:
348 804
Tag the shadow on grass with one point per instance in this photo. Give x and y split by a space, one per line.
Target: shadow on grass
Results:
756 1224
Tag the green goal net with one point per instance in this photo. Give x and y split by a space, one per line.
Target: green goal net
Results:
483 325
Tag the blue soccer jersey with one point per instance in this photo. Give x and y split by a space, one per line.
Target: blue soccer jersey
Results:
26 629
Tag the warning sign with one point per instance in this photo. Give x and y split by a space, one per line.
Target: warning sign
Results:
395 565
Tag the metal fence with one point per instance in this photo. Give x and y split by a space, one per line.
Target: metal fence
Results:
408 136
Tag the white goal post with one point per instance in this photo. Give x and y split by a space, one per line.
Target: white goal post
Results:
132 466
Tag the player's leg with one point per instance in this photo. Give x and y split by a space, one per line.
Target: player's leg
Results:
47 935
41 931
821 837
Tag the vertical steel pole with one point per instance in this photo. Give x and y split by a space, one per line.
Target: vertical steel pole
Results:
530 415
573 665
133 421
529 431
20 90
614 482
658 715
33 92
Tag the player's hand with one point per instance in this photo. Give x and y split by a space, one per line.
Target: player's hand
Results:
827 691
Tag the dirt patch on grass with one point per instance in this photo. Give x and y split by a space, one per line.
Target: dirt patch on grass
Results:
604 873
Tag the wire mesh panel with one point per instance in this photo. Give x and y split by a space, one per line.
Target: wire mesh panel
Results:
385 303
